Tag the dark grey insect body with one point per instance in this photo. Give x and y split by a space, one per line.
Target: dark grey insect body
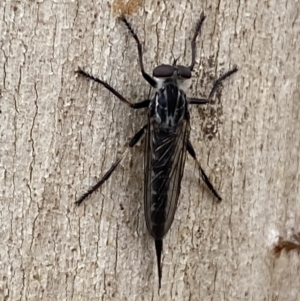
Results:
167 140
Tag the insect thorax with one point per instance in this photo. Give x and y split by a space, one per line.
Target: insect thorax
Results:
169 105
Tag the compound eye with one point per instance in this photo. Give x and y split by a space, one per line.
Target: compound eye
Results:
163 71
184 72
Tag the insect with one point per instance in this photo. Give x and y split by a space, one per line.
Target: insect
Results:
167 142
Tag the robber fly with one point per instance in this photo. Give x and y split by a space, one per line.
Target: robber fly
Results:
167 140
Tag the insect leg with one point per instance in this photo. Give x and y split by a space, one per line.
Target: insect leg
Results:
219 80
136 138
139 105
193 44
198 101
146 76
191 151
202 101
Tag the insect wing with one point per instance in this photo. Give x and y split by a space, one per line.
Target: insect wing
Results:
164 164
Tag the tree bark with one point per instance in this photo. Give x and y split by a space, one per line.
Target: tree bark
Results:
60 132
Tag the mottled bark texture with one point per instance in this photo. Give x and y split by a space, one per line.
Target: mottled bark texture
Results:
60 132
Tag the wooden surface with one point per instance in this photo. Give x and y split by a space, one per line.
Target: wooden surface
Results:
59 133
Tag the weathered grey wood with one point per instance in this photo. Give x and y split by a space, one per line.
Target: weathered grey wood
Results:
60 132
